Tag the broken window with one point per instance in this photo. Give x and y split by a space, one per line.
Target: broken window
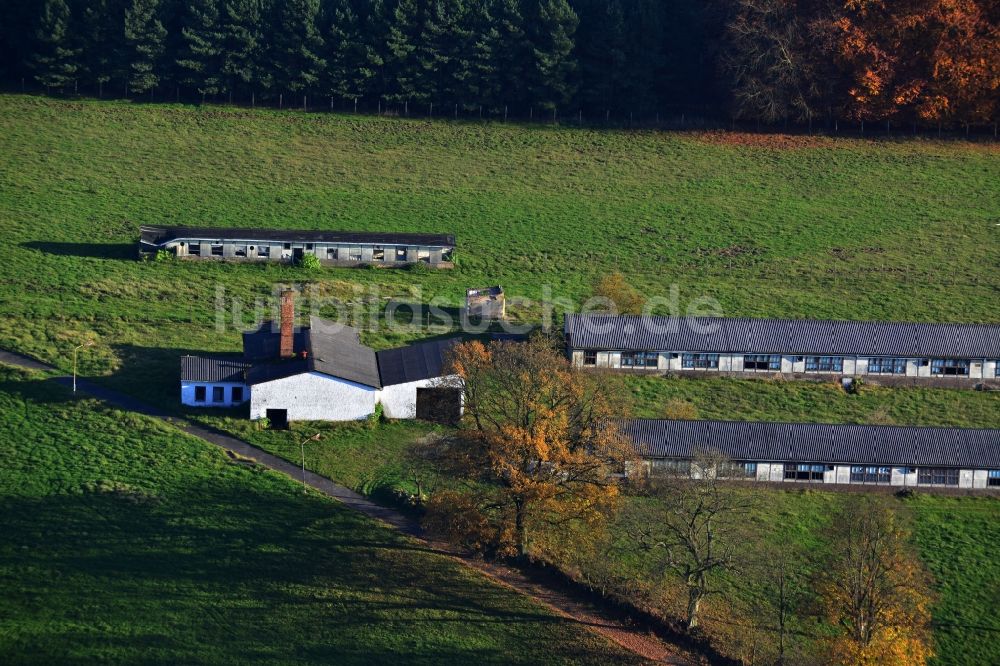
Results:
424 256
446 254
640 359
860 474
240 250
264 251
199 394
331 253
216 250
887 366
309 246
762 362
937 476
590 357
194 249
355 254
400 254
700 361
378 253
949 366
805 472
824 364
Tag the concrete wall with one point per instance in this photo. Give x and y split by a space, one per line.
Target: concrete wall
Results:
347 254
772 472
853 366
400 400
187 394
314 397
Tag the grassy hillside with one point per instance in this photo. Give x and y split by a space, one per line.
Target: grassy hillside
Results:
123 541
954 537
808 228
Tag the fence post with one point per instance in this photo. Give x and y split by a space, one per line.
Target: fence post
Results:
331 103
456 112
505 113
355 105
281 100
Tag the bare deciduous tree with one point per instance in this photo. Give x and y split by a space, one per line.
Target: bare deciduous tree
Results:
695 526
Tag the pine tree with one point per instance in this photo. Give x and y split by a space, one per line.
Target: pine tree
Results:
553 66
444 53
374 20
102 36
507 55
402 62
298 45
56 61
144 45
600 52
241 34
346 54
200 60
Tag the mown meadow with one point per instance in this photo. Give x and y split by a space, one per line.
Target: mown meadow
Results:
767 226
124 541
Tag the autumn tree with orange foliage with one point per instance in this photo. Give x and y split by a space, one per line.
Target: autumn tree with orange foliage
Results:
921 60
875 589
615 291
537 447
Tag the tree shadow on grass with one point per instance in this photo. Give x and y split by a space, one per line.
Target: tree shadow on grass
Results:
241 568
115 251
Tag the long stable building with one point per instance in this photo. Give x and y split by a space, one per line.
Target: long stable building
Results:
341 248
820 453
882 350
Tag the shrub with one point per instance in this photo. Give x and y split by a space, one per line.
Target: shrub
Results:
309 262
263 423
680 410
376 416
418 267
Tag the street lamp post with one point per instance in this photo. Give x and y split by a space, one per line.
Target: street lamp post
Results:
75 351
302 448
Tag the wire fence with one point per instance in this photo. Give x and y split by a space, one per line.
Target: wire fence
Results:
702 117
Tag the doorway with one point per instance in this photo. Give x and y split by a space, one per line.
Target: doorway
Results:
278 419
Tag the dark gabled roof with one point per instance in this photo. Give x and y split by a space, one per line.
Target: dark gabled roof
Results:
782 336
264 344
213 369
330 348
423 360
335 350
819 443
156 235
276 369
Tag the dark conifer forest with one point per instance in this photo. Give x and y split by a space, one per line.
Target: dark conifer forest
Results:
925 62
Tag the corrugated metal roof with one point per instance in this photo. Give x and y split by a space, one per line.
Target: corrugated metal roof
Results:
423 360
213 369
782 336
157 235
818 443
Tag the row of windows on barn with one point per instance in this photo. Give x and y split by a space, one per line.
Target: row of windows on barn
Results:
218 394
772 362
815 472
332 253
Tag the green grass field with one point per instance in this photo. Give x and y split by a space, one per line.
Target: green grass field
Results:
806 228
124 541
845 228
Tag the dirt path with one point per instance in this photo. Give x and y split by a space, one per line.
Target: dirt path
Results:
641 642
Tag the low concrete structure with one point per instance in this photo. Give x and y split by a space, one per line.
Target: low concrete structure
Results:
214 382
488 304
321 372
339 248
824 454
883 352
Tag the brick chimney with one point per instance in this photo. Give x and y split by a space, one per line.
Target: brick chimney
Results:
287 346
